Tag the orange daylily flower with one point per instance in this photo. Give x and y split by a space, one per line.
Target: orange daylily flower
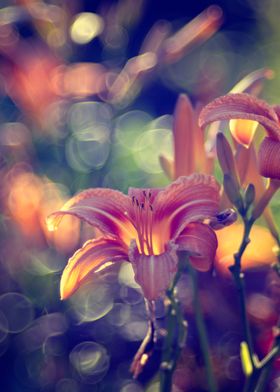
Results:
146 227
190 154
247 107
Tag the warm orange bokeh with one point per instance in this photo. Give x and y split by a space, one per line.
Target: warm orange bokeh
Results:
258 253
29 200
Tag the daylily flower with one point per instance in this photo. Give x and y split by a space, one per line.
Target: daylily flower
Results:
193 151
247 107
146 227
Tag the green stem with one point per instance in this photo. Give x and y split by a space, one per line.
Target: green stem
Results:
176 332
202 331
239 281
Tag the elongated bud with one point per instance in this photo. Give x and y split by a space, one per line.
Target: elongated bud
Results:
232 192
226 158
253 82
167 166
273 187
246 362
250 194
269 158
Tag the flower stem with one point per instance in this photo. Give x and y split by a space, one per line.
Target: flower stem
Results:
176 331
202 331
239 281
256 382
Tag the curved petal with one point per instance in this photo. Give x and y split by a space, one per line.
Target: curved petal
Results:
199 239
153 273
257 254
241 106
188 199
91 257
250 84
269 158
106 209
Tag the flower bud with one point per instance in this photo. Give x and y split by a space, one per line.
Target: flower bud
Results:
250 194
225 157
232 191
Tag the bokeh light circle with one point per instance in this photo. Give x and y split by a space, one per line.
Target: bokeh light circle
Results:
130 125
126 276
4 327
92 302
91 361
148 148
18 312
131 387
85 27
67 385
89 145
119 315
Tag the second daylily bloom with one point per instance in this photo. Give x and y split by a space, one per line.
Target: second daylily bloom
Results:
247 107
147 227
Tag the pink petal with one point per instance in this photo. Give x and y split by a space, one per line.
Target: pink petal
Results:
251 84
88 259
153 273
188 199
201 240
106 209
241 106
276 108
269 158
184 135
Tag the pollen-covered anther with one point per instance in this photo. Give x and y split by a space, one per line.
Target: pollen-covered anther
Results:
143 212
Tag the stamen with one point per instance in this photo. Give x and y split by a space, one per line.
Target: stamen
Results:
144 223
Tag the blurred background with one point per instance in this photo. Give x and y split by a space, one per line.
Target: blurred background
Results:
87 92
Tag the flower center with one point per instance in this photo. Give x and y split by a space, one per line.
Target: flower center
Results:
143 212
